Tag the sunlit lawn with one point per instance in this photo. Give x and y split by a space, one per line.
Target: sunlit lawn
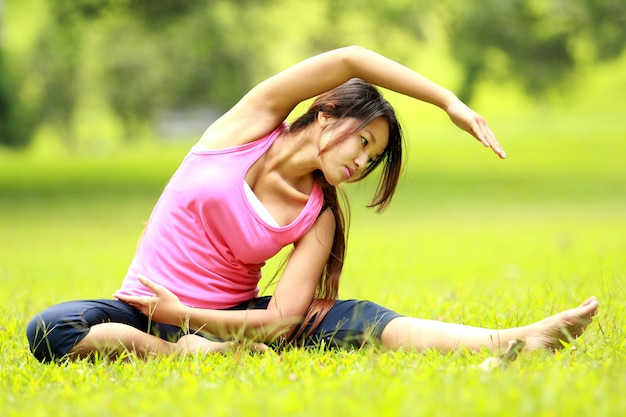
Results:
469 239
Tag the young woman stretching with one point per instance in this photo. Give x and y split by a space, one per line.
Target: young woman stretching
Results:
253 185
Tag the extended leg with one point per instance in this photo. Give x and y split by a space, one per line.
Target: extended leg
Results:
419 334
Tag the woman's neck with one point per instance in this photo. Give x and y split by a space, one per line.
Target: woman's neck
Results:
293 156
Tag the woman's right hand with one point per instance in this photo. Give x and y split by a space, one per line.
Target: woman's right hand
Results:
473 123
163 307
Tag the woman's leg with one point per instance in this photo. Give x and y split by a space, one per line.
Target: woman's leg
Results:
111 339
68 329
350 324
78 329
419 334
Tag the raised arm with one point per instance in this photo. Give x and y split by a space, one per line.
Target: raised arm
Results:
292 296
271 101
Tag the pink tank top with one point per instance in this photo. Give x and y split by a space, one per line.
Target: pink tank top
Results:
204 241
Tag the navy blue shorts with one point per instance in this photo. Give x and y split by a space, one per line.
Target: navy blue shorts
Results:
53 332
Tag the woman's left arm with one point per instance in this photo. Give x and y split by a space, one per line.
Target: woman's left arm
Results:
292 296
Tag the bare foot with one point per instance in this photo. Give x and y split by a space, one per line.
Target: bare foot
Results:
193 343
566 325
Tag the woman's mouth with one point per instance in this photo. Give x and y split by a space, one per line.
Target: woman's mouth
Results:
349 173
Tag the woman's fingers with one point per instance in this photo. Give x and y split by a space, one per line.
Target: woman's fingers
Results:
151 285
470 121
483 133
137 300
130 299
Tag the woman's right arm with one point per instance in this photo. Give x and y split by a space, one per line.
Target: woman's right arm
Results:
271 101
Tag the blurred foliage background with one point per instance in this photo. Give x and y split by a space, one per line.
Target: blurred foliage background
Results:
93 72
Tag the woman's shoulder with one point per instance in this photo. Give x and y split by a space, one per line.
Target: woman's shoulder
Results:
238 128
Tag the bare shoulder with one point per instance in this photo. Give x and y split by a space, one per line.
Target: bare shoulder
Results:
323 231
237 127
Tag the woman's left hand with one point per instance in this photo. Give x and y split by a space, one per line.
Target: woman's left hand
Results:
163 307
470 121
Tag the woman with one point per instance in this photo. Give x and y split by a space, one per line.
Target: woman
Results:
253 185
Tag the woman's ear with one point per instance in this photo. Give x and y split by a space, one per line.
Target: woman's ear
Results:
325 119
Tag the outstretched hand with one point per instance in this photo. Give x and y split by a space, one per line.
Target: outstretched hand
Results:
470 121
163 307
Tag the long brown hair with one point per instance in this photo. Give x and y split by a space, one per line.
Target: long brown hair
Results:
363 102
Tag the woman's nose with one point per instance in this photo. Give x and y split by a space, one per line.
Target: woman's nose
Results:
361 161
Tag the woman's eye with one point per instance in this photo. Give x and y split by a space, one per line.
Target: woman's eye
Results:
364 141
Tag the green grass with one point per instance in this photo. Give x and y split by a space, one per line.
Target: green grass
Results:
469 239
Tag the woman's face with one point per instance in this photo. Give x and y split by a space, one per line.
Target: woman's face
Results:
345 161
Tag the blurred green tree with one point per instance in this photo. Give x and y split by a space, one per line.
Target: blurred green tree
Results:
16 119
175 54
604 22
55 62
151 55
534 42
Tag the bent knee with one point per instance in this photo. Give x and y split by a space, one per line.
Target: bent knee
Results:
50 340
38 333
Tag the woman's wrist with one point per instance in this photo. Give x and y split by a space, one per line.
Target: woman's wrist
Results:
448 99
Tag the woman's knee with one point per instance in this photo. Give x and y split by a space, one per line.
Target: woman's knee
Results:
45 338
55 331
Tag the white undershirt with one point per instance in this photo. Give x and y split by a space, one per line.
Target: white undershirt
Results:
258 207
